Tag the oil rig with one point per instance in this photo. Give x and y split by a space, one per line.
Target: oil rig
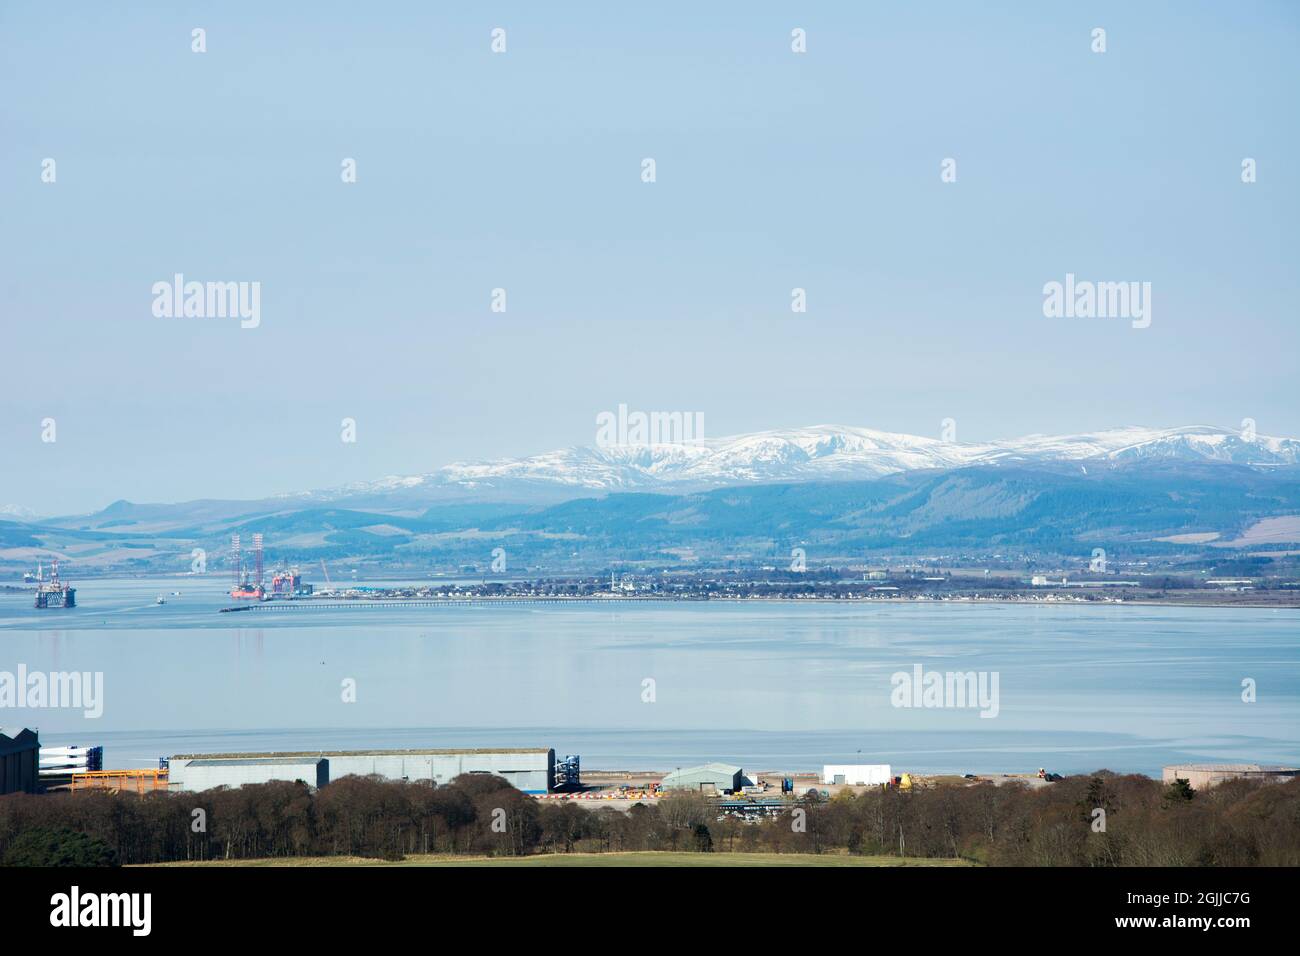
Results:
54 593
250 585
244 587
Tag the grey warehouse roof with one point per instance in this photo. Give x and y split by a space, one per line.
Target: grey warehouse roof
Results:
257 762
719 768
366 753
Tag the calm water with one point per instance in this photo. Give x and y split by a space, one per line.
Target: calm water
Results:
766 686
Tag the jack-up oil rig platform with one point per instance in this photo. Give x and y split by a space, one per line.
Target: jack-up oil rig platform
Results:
244 588
54 593
250 584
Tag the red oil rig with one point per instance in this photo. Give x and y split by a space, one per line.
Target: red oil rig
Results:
54 593
285 584
288 584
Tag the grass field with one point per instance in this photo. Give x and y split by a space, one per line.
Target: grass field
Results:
602 859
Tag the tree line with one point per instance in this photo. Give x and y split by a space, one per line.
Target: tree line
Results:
1102 819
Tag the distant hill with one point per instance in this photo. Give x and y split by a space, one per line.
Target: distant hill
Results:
1132 505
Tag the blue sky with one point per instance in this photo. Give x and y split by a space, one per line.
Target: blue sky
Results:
522 170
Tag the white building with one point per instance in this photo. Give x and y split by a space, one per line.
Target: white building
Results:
856 774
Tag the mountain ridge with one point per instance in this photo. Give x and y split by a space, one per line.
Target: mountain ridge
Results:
813 453
1168 511
818 453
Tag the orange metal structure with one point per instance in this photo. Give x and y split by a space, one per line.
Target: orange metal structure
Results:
141 781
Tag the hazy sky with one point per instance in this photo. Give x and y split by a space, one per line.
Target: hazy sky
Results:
522 170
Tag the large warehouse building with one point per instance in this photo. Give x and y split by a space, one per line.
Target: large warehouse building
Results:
204 773
19 757
709 777
1203 775
532 771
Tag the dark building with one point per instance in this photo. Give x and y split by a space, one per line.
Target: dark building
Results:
19 756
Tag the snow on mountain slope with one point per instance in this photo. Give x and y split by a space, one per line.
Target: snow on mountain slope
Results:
817 453
16 512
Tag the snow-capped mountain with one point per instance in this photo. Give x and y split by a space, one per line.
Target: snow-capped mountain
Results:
17 512
817 453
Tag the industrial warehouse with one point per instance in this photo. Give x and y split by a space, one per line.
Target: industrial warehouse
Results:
532 771
536 771
26 766
710 778
1202 776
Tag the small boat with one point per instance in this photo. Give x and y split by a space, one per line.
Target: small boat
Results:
161 599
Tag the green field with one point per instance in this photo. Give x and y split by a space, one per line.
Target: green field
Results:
602 859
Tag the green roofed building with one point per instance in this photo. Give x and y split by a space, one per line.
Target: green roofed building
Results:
709 778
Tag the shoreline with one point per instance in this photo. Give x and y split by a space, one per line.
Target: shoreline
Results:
337 603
